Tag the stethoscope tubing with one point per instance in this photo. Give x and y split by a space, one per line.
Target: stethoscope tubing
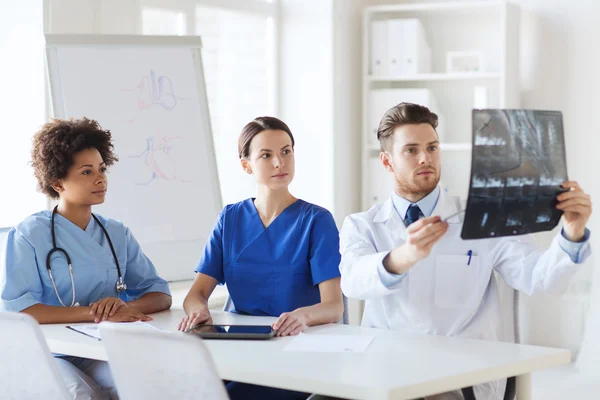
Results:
120 285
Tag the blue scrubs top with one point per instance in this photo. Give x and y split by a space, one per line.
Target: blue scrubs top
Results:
276 269
27 281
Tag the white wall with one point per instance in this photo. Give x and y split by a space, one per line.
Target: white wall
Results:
306 94
559 71
347 125
563 74
347 75
22 104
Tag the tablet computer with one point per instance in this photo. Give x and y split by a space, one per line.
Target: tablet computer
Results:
247 332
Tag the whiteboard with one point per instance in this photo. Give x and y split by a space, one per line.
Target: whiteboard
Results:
149 91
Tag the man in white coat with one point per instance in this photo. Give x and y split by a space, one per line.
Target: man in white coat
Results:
414 271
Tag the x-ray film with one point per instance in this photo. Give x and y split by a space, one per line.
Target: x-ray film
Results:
518 164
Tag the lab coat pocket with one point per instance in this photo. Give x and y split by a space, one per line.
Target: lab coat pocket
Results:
456 280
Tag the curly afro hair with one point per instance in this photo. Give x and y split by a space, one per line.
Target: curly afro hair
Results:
55 144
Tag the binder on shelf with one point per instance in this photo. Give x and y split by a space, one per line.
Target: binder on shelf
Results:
379 48
417 54
396 59
399 48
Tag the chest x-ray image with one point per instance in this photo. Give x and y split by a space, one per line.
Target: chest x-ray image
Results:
518 164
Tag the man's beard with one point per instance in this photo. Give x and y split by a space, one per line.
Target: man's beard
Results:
416 189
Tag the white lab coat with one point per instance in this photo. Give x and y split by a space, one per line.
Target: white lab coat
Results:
442 294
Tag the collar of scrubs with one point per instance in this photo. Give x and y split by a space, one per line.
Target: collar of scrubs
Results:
88 229
92 235
426 204
282 216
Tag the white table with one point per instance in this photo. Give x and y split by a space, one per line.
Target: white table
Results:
395 366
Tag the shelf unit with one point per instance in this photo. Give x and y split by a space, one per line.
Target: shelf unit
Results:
488 26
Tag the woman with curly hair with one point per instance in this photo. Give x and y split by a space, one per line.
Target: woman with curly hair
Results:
70 265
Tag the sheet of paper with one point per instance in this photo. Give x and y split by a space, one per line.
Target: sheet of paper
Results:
93 330
329 343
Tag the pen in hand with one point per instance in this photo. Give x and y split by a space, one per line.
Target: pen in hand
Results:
453 215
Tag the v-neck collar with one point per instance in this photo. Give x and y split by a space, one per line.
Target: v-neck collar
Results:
88 228
257 215
83 236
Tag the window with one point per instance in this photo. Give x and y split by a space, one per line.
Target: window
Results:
22 106
157 21
239 69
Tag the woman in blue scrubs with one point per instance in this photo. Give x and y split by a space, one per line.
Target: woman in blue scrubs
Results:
111 278
278 255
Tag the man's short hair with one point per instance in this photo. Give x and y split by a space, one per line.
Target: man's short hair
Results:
403 114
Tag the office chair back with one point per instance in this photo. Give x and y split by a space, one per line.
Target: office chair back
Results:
152 364
28 369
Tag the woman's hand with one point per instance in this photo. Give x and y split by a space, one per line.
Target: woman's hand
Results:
292 323
101 310
194 318
128 314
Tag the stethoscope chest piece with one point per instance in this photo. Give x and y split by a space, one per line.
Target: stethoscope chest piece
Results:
121 286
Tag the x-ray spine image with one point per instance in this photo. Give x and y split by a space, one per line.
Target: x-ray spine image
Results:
518 164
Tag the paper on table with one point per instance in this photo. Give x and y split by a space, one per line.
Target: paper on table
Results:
93 330
329 343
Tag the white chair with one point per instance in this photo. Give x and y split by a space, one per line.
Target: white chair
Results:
152 364
228 306
27 368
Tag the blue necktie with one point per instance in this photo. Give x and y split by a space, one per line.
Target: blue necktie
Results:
412 214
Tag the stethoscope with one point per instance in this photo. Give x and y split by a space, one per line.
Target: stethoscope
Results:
120 285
